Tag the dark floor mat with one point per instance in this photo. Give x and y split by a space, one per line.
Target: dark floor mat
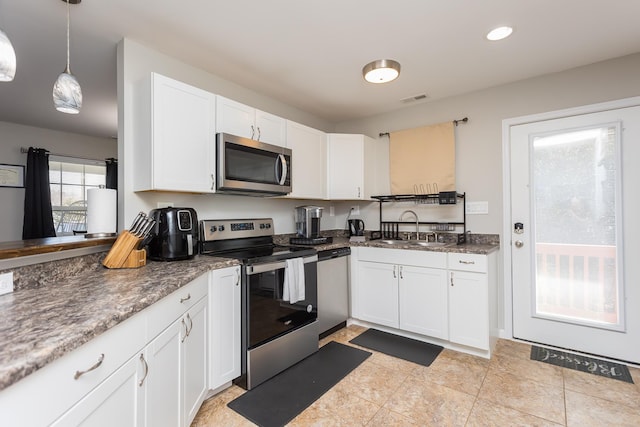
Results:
279 400
603 368
394 345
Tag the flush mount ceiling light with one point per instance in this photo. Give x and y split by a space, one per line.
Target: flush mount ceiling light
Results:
67 94
499 33
381 71
7 58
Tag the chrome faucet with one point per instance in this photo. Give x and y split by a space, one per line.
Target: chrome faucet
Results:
417 222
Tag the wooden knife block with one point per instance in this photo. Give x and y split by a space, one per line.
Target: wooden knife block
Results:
123 253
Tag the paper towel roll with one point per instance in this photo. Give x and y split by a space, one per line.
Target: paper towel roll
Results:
101 210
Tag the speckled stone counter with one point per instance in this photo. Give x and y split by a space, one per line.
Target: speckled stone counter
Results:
46 319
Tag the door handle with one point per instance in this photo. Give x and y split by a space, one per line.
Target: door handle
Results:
519 243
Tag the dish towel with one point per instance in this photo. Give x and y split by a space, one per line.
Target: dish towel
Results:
293 286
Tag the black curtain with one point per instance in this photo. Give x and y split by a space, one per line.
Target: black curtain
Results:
38 218
112 173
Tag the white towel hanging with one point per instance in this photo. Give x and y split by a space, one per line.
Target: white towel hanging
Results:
293 286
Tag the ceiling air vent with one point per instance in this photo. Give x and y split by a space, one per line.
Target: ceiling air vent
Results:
414 98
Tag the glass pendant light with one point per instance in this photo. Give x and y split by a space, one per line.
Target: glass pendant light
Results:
67 94
7 58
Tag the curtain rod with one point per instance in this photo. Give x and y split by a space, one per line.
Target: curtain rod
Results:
455 122
24 150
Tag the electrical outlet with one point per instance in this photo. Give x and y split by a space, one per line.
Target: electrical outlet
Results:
355 210
477 208
160 205
6 283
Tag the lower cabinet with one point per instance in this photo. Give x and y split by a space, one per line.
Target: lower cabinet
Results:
377 298
423 301
224 326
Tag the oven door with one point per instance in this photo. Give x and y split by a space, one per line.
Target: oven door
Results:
252 167
268 315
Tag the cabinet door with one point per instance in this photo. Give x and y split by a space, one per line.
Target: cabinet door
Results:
271 129
234 118
162 385
377 293
183 147
308 160
469 309
345 166
195 361
113 403
423 301
224 326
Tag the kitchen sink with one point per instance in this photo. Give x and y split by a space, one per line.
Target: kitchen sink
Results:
413 242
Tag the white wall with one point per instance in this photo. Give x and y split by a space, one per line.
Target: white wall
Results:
15 136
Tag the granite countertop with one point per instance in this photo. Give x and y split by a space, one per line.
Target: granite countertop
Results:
22 248
40 324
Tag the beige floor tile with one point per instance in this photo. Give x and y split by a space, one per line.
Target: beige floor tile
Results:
214 411
523 394
513 349
527 368
317 416
586 411
602 387
455 370
373 382
485 413
342 402
387 418
431 404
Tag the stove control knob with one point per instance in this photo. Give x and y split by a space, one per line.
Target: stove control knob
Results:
221 228
263 226
213 229
268 225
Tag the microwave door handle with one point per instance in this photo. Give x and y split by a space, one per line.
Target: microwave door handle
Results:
283 162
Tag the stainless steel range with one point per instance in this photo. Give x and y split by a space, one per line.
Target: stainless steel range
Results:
279 316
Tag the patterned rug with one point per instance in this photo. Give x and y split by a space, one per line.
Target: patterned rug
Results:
603 368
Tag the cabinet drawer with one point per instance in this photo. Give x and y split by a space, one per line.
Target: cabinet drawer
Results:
403 257
174 305
468 262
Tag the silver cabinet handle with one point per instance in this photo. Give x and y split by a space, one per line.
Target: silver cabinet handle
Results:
253 131
258 133
237 273
452 278
190 324
78 374
146 369
358 191
213 182
394 272
401 273
466 262
187 298
186 331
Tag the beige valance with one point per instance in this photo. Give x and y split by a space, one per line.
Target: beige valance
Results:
423 156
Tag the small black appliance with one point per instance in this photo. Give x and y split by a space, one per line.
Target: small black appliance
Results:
175 234
356 227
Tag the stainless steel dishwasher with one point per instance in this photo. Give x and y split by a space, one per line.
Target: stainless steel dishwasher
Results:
333 290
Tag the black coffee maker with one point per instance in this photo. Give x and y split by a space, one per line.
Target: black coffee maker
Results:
356 227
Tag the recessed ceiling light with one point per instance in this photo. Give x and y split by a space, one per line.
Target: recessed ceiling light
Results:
499 33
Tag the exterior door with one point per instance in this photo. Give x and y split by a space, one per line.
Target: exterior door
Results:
574 210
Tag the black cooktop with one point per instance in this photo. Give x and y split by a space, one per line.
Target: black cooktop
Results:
266 253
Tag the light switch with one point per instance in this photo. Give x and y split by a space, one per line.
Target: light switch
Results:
6 283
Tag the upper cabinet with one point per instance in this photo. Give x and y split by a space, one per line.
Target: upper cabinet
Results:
308 170
350 167
241 120
175 145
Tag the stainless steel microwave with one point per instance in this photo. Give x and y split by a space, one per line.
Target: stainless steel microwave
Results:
252 168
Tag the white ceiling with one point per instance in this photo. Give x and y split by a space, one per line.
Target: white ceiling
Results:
308 54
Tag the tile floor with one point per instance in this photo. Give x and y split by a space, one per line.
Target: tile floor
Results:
457 390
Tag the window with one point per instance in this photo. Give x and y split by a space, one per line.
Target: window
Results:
70 179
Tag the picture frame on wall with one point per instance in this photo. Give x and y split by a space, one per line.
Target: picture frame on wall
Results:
11 176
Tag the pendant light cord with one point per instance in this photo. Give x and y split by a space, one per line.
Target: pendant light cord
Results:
68 29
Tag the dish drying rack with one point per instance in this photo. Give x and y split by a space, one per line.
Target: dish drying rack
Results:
390 229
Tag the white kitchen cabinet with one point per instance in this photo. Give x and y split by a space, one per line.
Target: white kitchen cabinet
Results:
174 146
377 293
245 121
410 294
350 167
224 326
423 301
116 401
176 359
308 159
470 307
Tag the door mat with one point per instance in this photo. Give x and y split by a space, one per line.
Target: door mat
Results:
279 400
408 349
603 368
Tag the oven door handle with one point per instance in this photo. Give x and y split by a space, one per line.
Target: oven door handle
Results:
272 266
